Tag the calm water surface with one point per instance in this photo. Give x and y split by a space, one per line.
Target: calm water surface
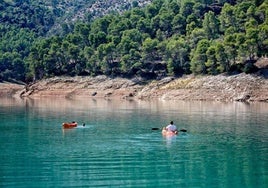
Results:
226 144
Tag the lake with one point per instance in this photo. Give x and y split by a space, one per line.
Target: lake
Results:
226 144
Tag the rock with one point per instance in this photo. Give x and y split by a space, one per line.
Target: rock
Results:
240 87
243 98
108 94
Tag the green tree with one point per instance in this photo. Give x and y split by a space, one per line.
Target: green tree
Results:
227 18
36 59
263 40
101 24
241 46
212 63
179 24
230 48
90 66
144 26
136 14
211 25
186 7
166 34
107 56
165 19
130 62
200 57
96 39
11 66
224 64
83 30
177 55
152 9
262 13
196 35
252 42
150 50
131 39
118 26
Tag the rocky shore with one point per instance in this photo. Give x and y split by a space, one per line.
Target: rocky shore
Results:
240 87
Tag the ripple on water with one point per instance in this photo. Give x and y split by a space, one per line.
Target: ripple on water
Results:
117 148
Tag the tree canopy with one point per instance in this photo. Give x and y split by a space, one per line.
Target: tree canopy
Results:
166 37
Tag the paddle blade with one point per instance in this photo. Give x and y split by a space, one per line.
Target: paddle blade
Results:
155 129
183 130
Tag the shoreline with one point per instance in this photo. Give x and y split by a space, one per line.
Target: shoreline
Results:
241 87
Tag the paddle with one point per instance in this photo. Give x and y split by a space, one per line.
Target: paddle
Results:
155 128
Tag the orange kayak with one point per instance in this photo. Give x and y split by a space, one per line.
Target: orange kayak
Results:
168 133
69 125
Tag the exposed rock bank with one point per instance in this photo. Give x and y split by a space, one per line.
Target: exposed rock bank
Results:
241 87
10 89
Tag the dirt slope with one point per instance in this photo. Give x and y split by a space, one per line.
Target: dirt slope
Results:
241 87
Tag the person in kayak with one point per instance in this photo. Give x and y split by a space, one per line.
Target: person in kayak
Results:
171 127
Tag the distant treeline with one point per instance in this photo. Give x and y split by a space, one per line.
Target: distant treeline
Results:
167 37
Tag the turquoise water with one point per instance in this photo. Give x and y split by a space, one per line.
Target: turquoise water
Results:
225 144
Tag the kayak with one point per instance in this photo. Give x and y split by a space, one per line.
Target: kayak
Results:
169 133
69 125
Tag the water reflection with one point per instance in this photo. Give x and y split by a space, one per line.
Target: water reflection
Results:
225 144
187 107
185 114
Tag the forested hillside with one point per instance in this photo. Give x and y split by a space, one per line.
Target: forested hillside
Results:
166 37
24 21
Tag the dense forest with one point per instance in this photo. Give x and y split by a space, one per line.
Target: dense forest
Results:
165 37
